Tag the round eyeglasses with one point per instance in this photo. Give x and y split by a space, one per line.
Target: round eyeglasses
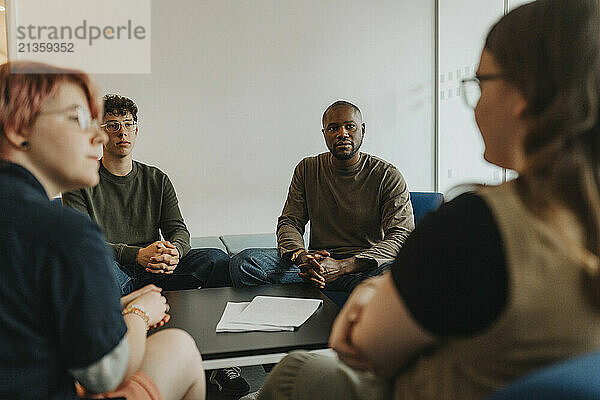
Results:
471 88
115 126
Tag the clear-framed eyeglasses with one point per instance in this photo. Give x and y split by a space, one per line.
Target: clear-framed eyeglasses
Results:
115 126
78 114
471 88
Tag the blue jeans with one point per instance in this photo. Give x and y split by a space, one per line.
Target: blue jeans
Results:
199 268
123 280
253 267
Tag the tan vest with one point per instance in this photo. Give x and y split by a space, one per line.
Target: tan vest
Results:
546 318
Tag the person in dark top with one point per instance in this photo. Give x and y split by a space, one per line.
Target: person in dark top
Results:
502 281
64 328
135 204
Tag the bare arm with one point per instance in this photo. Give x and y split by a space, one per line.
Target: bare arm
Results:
136 338
386 332
116 367
151 300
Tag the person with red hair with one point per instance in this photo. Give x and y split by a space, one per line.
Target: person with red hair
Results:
61 316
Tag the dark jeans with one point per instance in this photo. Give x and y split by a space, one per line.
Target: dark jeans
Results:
199 268
253 267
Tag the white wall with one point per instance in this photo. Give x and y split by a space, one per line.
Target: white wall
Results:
237 90
463 27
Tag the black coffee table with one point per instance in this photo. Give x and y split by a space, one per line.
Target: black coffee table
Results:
197 311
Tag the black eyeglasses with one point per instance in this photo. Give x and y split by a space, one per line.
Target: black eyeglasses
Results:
471 87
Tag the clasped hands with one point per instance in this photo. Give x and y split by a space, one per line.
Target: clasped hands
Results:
318 268
160 257
154 303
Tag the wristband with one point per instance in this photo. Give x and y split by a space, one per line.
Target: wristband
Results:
297 254
140 312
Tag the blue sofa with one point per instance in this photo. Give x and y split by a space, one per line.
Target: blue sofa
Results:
575 379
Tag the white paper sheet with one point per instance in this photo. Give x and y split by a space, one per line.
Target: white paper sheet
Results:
232 310
278 311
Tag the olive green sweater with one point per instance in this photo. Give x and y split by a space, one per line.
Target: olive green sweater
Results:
132 209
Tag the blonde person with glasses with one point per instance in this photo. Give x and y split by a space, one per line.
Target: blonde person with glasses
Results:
503 281
64 328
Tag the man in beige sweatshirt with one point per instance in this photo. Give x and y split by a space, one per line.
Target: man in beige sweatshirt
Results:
358 207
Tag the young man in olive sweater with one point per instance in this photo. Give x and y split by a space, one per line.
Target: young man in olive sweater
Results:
132 203
358 207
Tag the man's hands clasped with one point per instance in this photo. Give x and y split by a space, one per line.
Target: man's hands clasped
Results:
160 257
311 270
318 268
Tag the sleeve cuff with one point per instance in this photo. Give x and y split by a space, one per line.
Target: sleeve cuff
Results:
287 253
181 249
107 373
375 262
129 255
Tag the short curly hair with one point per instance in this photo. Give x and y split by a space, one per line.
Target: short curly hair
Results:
119 105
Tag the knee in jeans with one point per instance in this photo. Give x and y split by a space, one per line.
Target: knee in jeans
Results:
217 256
243 256
240 267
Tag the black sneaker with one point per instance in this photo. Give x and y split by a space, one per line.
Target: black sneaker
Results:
229 381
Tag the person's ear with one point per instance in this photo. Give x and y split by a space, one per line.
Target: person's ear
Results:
364 128
18 140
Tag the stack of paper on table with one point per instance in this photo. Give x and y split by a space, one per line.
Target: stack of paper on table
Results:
267 313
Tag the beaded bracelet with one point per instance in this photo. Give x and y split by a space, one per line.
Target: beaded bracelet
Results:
140 312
